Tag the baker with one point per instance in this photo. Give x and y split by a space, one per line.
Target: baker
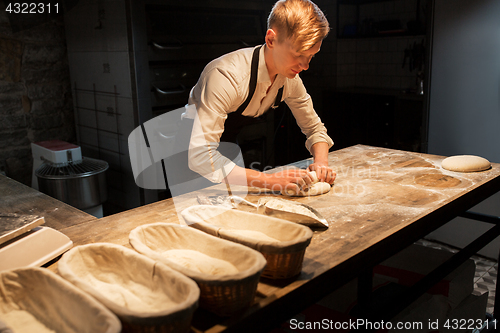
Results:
238 87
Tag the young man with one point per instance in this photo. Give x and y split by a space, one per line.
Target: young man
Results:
225 98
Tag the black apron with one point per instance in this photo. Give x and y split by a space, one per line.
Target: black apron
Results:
236 120
176 166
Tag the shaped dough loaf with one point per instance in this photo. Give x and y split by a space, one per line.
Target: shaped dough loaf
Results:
316 189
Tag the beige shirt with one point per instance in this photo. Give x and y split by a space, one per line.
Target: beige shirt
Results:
222 88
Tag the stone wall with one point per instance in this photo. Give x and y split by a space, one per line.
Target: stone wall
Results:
35 91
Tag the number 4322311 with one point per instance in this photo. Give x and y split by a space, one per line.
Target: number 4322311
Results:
32 8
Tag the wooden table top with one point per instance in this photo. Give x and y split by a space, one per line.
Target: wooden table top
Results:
18 198
382 201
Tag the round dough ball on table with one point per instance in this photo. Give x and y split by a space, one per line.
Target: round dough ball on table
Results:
316 189
465 163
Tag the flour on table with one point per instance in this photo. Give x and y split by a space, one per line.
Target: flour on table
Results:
290 207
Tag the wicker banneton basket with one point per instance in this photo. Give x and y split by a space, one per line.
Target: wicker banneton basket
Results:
227 273
146 295
282 243
37 300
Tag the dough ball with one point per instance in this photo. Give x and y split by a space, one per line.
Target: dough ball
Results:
465 163
315 189
314 176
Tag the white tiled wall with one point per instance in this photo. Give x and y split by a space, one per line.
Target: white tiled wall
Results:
103 94
103 69
100 26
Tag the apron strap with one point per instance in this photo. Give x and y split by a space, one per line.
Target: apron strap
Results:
236 120
253 80
253 84
277 101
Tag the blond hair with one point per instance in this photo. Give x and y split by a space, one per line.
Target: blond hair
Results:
300 20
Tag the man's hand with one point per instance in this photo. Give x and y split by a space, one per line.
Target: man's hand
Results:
286 181
324 172
320 154
294 180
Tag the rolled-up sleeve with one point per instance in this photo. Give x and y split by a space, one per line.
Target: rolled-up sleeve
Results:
301 105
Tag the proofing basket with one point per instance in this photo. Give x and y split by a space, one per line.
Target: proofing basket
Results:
35 299
145 295
222 292
282 243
